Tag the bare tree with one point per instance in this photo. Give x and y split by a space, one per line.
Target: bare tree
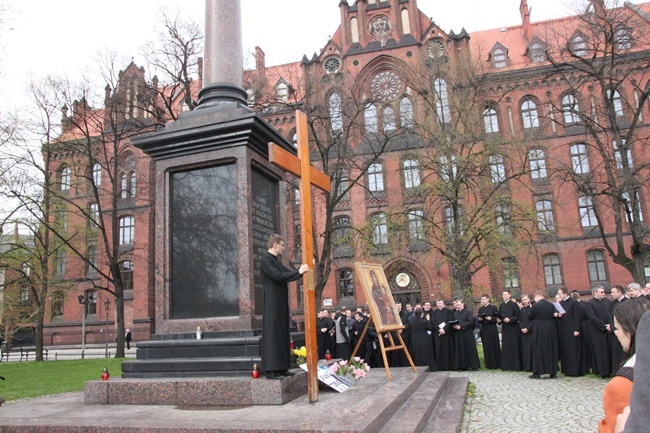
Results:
603 57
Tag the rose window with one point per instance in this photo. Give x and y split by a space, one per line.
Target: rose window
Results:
386 86
332 65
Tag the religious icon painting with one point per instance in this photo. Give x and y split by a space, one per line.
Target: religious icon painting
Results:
378 296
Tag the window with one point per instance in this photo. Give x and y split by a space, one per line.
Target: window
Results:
282 92
406 112
537 54
448 169
342 191
416 227
57 304
570 109
65 179
379 229
370 116
411 173
499 58
587 212
504 224
454 220
389 120
346 283
618 154
354 30
497 169
91 302
578 46
579 159
341 230
296 198
616 102
124 189
510 273
537 164
91 255
490 120
132 185
623 38
297 241
62 220
97 174
552 269
93 213
336 118
59 262
376 177
406 25
596 266
545 221
442 100
24 295
126 270
126 230
26 269
632 209
529 114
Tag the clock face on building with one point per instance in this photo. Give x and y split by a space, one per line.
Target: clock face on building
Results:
402 279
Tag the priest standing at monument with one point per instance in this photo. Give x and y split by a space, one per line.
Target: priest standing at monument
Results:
276 359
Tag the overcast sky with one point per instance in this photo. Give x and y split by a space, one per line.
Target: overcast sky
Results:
40 37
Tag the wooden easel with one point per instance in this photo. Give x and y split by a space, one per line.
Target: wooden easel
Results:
383 348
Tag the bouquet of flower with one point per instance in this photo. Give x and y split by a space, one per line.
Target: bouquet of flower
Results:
355 369
301 355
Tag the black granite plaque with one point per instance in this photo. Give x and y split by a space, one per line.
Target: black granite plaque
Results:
264 212
204 265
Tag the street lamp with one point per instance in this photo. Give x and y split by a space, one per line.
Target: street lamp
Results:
107 306
83 301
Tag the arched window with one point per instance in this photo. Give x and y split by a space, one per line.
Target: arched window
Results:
59 262
618 157
97 174
124 188
490 120
370 116
66 180
346 283
91 255
354 30
406 25
579 159
282 92
126 230
552 269
336 118
570 109
126 270
596 266
529 114
578 46
411 173
406 112
499 58
442 100
389 121
132 184
379 229
537 54
617 102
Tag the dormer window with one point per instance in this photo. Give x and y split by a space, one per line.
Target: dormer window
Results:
578 45
282 91
499 56
536 51
623 39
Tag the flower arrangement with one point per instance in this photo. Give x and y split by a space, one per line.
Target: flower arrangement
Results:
354 368
301 355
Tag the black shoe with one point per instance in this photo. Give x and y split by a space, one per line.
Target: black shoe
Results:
534 376
287 373
552 376
275 375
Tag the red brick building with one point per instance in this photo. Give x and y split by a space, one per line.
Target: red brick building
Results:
385 89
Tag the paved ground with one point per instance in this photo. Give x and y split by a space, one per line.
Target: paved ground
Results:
511 402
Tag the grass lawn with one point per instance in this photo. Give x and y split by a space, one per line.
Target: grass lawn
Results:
34 379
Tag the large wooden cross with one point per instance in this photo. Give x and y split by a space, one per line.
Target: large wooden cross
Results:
308 175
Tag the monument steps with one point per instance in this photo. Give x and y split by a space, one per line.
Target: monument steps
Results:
189 367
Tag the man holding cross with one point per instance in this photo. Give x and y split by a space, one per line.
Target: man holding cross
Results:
276 358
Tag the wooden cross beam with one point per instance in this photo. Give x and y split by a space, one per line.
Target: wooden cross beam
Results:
308 175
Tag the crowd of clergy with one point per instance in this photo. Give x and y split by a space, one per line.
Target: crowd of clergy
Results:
531 334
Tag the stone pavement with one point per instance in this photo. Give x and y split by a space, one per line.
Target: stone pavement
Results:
511 402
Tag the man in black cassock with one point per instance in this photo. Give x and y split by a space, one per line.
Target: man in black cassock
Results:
598 311
510 334
444 343
465 353
581 313
570 335
526 333
324 327
489 333
618 353
276 357
545 342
